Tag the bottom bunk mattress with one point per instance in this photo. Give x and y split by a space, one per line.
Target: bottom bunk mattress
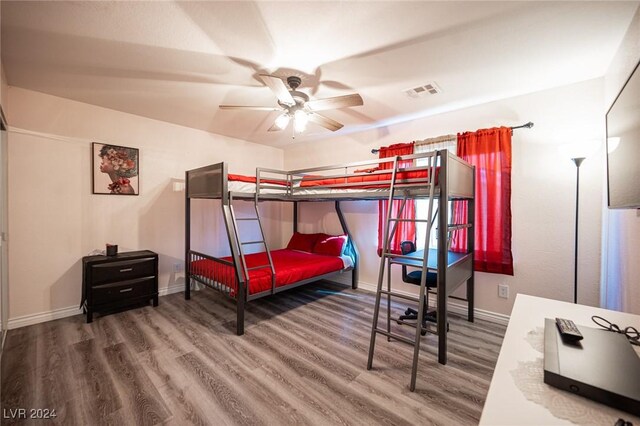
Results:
290 266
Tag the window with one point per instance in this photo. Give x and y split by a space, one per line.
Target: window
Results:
422 205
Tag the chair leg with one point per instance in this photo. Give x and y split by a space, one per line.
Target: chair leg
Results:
406 317
412 314
429 316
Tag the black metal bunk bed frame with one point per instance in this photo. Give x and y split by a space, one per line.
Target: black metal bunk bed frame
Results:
211 182
456 181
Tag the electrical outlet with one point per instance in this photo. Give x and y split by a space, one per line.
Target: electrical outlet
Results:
177 267
503 291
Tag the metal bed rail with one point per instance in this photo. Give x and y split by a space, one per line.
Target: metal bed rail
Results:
219 275
282 185
347 172
286 287
277 181
288 184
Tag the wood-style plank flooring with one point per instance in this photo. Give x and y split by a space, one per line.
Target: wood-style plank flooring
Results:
302 360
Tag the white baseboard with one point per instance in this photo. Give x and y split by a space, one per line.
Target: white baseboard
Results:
176 288
32 319
457 307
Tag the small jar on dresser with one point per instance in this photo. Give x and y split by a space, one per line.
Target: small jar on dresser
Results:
111 282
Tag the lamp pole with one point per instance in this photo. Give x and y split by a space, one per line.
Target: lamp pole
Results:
577 162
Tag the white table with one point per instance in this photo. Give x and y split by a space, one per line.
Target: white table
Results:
506 402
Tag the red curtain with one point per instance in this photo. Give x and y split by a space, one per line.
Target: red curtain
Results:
490 151
406 231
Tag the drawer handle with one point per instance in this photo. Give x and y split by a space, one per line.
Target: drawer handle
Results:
124 290
126 270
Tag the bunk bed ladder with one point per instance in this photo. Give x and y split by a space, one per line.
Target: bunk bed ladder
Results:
266 249
387 257
261 241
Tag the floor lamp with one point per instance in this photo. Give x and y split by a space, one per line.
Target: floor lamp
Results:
577 161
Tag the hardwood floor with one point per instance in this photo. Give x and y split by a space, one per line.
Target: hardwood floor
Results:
302 360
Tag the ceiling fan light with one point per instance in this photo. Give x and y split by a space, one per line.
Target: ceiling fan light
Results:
283 121
300 121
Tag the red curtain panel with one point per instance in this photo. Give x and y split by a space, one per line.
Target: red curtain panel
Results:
406 231
490 151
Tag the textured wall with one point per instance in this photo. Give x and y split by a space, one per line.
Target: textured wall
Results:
54 219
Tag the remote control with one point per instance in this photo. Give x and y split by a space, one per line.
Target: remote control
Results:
568 329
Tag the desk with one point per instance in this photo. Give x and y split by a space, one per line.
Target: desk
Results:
457 270
432 262
506 403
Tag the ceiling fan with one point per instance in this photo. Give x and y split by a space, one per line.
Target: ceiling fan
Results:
295 104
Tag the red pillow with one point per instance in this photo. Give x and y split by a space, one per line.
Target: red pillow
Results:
330 245
302 242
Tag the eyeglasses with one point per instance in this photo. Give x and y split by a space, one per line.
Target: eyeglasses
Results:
631 332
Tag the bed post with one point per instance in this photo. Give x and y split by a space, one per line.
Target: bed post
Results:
345 229
240 290
235 254
471 213
187 238
443 227
240 297
295 216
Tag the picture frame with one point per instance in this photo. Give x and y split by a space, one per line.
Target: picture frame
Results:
115 169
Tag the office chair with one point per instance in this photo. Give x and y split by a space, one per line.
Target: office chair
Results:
414 277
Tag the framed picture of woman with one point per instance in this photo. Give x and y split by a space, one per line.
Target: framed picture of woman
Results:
115 169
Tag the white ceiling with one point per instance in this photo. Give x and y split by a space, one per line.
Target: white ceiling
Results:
177 61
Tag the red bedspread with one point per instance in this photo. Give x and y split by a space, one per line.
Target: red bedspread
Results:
252 179
368 181
290 266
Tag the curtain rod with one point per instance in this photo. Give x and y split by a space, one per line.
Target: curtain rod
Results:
526 125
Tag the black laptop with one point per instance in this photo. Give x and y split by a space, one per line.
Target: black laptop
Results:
602 366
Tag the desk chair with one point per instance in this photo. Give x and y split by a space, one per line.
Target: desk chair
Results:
414 278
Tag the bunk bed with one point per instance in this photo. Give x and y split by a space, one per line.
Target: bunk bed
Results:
244 277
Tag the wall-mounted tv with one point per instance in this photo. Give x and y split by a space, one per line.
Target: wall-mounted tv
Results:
623 146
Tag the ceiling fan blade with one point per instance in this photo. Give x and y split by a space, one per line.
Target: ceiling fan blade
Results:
325 122
334 103
275 128
254 108
278 87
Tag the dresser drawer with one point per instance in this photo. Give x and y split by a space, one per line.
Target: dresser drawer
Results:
121 290
122 270
119 281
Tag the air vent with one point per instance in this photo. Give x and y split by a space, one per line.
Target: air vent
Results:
428 89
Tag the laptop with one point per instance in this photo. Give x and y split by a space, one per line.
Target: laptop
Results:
602 366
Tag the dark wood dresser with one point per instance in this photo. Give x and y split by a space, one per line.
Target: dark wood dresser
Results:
110 282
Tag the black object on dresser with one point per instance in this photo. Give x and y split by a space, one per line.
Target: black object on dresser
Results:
110 282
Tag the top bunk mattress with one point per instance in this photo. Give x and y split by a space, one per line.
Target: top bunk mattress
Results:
368 181
317 185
